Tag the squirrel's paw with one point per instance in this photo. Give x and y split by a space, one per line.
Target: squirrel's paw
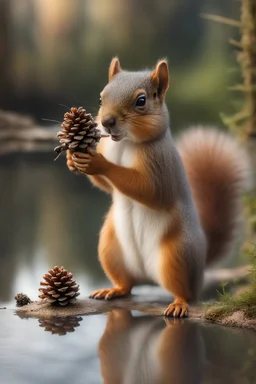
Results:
70 162
91 163
179 308
109 293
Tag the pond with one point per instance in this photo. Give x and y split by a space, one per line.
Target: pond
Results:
52 217
123 347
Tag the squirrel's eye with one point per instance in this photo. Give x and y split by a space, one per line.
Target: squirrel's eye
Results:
100 102
141 101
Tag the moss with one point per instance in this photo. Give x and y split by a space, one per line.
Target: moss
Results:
217 312
228 305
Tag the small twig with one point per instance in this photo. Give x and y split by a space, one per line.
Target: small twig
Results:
236 43
221 19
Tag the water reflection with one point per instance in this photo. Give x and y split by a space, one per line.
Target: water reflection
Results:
57 325
148 350
131 349
60 325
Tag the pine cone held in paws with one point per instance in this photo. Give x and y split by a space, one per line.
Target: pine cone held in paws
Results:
59 287
79 131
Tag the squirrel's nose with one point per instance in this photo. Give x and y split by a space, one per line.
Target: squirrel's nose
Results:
108 122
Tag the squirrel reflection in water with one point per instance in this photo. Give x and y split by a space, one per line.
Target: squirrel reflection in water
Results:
136 350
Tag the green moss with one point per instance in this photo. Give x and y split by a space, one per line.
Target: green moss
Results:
246 302
228 305
217 312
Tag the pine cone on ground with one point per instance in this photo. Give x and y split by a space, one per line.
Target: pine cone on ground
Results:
59 287
60 326
22 299
78 132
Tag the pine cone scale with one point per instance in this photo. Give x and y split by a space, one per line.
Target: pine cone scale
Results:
51 301
62 298
70 294
64 289
57 283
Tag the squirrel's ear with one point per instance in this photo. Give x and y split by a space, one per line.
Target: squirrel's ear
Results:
114 68
160 78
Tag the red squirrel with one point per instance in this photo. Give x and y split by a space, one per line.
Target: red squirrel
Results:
175 205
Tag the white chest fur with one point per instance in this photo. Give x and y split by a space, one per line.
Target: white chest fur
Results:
121 153
139 228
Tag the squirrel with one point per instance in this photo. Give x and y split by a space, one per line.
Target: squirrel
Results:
175 205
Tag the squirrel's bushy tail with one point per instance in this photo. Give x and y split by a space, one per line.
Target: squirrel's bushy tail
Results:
218 171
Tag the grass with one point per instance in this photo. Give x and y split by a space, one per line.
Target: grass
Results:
245 302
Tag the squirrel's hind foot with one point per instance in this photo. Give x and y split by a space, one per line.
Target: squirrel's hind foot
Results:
109 293
179 308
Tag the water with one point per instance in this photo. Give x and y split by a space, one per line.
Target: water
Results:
28 354
124 347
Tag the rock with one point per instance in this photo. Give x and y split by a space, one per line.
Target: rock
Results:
239 319
89 307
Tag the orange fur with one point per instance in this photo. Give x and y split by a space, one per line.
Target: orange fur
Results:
174 274
110 256
114 68
70 162
97 180
101 183
146 128
218 171
160 78
134 182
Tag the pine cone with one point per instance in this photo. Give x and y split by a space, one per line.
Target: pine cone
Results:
59 287
22 299
78 132
60 326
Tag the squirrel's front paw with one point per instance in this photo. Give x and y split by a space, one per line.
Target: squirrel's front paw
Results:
70 163
91 163
179 308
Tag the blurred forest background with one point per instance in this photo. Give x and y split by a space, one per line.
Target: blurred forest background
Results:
57 52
